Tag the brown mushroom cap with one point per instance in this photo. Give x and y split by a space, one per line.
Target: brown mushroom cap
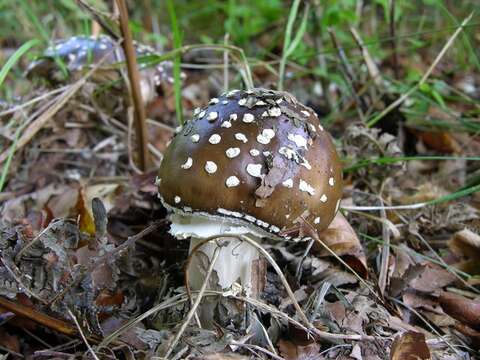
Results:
257 156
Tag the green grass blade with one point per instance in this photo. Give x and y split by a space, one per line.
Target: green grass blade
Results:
15 57
8 161
177 43
291 20
467 41
27 7
391 160
3 74
299 35
455 195
287 42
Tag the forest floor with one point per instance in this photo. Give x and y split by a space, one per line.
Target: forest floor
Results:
89 269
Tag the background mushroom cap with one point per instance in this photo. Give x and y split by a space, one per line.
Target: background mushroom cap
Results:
80 52
258 156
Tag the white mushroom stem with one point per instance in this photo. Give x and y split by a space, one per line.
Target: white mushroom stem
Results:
233 267
235 264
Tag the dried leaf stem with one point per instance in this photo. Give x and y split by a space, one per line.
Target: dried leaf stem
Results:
134 78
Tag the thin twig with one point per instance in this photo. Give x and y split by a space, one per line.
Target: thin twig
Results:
272 262
33 101
99 17
313 234
349 75
34 240
186 274
192 311
425 76
134 77
393 207
7 350
298 272
82 335
267 338
244 69
17 276
425 321
181 298
323 335
371 66
131 120
259 348
382 278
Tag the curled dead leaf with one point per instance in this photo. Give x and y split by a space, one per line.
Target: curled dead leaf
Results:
342 239
440 141
465 243
410 346
425 192
220 357
471 333
85 219
9 342
291 351
425 278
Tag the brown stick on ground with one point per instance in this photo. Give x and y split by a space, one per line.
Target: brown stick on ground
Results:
40 318
134 78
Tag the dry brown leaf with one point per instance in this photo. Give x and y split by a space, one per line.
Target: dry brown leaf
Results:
465 243
426 192
410 346
220 357
292 351
343 240
471 333
462 309
85 219
440 141
10 342
432 278
129 335
425 278
465 246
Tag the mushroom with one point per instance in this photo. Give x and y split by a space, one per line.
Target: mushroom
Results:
251 162
81 52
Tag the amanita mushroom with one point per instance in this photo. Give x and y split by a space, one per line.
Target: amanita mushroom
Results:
251 162
81 52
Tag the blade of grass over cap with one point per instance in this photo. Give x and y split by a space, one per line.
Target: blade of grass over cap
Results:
177 43
290 44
